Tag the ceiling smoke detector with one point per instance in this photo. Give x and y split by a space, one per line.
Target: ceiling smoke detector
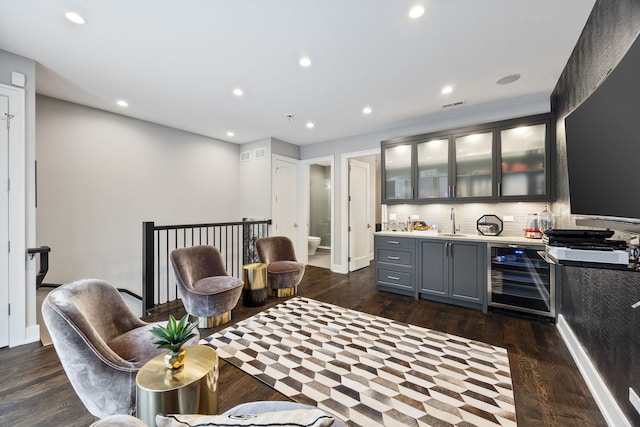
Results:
508 79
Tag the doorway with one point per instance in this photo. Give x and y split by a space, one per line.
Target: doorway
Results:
4 221
13 226
361 212
285 198
320 219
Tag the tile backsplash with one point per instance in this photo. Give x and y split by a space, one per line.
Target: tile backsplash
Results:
467 215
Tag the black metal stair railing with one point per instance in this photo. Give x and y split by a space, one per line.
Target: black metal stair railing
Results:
235 240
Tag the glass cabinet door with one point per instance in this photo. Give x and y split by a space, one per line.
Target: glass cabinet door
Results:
397 172
474 165
523 160
433 169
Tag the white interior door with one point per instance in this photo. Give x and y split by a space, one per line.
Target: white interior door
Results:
285 202
359 212
4 222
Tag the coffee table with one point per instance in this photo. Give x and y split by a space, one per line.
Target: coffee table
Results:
192 389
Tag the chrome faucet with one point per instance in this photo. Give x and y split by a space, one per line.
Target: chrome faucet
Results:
453 221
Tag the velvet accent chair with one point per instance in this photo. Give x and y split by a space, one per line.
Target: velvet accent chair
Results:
100 342
284 272
206 289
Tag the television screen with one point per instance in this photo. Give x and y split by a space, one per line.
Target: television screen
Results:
603 145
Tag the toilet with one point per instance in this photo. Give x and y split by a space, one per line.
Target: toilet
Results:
314 242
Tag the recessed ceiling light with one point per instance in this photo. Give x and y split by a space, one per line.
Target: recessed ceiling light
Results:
238 92
366 110
447 89
305 62
416 12
508 79
75 18
122 103
310 125
230 133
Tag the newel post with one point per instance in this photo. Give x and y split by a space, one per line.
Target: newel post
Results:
147 266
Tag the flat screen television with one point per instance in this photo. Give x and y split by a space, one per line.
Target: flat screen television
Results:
603 150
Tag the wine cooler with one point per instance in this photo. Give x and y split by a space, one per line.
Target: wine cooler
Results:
521 280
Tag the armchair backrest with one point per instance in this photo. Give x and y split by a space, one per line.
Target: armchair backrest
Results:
82 317
275 248
94 310
195 263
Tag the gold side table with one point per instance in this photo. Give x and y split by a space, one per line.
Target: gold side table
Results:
192 389
254 293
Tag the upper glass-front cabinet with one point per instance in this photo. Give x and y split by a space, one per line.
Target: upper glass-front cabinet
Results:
433 168
499 161
523 153
474 165
398 172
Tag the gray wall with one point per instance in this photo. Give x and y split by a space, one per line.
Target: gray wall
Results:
100 175
458 117
596 303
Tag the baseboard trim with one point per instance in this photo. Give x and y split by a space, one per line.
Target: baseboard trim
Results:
607 404
32 334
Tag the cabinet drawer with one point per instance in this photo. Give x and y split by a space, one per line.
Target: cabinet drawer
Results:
395 278
390 242
395 257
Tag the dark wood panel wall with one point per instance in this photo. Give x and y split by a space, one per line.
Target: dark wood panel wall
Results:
596 303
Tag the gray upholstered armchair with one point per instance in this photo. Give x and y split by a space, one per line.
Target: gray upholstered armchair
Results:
206 289
100 342
283 269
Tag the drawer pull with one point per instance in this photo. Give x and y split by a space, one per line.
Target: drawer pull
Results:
393 278
393 242
392 257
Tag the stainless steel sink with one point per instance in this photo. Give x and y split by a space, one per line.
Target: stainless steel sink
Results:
451 234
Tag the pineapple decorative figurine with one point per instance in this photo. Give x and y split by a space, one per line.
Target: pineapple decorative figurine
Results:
173 337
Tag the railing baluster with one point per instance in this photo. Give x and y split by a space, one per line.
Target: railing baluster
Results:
235 240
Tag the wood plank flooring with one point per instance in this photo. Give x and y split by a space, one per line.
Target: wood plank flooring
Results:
548 388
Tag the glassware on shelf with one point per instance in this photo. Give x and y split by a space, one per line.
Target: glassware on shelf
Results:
545 219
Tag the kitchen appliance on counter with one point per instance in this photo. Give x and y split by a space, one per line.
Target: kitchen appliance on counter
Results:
489 225
521 280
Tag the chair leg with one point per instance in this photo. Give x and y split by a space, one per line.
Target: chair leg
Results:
283 292
213 321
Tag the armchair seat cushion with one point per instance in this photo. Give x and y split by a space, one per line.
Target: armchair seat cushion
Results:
216 285
277 267
137 345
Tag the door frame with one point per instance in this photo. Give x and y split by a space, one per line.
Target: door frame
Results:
344 205
305 199
17 276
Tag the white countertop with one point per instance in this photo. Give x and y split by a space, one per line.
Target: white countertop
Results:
468 237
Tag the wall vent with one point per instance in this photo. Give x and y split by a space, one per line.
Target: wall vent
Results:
454 104
245 156
260 153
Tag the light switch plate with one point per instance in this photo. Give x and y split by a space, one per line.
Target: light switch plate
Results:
18 79
507 218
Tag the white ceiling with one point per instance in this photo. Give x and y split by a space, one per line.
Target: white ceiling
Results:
177 62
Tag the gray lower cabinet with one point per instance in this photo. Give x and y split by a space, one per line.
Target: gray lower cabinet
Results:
452 272
395 261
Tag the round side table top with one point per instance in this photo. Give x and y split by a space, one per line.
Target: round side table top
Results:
155 376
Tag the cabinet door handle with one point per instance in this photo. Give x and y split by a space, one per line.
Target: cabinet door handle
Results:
393 257
393 278
393 242
499 189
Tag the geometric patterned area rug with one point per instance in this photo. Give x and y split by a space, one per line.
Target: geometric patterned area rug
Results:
369 370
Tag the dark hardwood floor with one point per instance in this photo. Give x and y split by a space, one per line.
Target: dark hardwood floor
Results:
548 388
